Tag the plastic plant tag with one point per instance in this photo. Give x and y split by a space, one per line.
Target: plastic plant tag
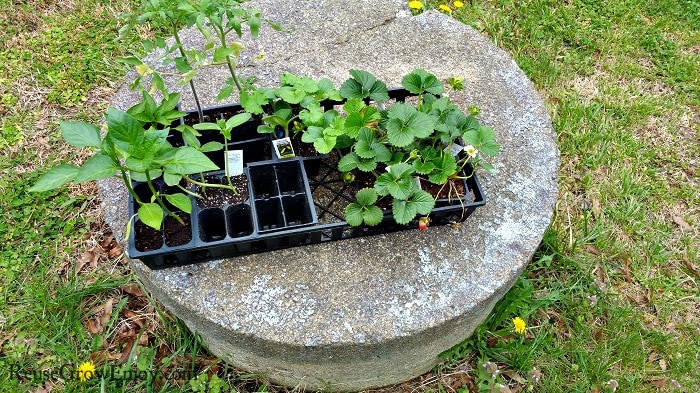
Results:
234 163
283 148
455 149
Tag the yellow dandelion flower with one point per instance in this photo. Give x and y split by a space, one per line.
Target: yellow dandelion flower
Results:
458 4
445 8
86 371
415 5
519 325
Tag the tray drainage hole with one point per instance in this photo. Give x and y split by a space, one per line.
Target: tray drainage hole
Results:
240 221
212 225
269 214
296 210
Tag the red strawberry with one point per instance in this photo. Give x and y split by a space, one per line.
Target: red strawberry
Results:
423 223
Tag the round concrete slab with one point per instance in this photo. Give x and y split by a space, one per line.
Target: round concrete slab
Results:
373 311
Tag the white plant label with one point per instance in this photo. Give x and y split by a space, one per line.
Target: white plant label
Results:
234 163
455 149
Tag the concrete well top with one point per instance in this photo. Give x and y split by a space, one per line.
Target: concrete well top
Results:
375 289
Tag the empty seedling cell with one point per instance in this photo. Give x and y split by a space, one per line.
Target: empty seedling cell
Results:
296 210
289 178
269 214
240 221
263 181
143 192
212 225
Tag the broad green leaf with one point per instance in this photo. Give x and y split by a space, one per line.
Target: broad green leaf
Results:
325 144
372 215
253 101
397 187
171 179
419 81
187 160
140 176
353 214
151 214
445 166
80 134
403 211
312 116
237 120
367 165
366 196
423 168
180 201
423 202
206 127
124 130
96 167
211 146
55 177
348 162
220 54
364 85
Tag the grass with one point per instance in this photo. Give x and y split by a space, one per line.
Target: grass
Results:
611 297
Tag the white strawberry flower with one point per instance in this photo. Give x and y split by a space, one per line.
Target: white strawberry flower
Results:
471 150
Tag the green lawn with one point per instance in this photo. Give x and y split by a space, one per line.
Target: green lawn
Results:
611 298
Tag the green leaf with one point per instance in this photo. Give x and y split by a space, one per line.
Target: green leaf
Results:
423 168
237 120
312 116
220 54
445 166
364 85
353 214
325 145
151 214
180 201
403 211
211 146
397 182
419 81
80 134
423 202
187 160
96 167
171 179
55 177
372 215
348 162
206 127
366 196
124 130
367 165
420 202
224 93
253 101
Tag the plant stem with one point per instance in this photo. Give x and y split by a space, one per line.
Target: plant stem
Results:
194 92
226 172
159 199
197 183
127 181
222 38
186 191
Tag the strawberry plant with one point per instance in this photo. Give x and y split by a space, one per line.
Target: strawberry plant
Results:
431 140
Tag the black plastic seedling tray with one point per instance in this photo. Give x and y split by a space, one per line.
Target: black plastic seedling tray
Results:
291 202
